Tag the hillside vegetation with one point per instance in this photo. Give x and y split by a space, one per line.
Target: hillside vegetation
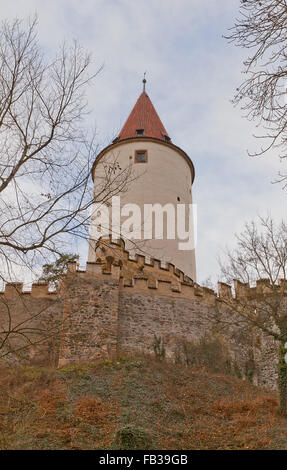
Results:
135 403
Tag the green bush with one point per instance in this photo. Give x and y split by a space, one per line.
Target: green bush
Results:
133 438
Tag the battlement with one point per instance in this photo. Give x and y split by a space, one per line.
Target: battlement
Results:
140 273
113 251
119 303
137 272
38 290
245 291
168 287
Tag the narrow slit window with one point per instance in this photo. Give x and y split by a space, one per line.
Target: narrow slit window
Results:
140 132
141 156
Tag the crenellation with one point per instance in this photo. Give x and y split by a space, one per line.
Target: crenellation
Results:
118 304
115 271
224 290
198 291
177 272
132 257
141 260
164 266
188 280
13 289
94 268
242 290
128 282
263 286
40 289
156 263
152 284
171 268
176 287
148 261
168 287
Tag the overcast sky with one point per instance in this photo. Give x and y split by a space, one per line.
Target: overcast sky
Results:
192 73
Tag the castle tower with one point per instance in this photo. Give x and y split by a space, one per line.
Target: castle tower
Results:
145 168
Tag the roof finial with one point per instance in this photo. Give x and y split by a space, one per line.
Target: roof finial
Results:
144 82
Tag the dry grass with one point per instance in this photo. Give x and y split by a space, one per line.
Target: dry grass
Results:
145 402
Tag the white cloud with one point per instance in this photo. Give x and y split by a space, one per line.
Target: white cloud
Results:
192 73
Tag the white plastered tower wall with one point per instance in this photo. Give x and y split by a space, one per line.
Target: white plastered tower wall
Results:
165 178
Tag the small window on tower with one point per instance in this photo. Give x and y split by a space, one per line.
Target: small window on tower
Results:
140 156
140 132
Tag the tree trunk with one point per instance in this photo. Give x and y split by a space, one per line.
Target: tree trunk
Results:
282 378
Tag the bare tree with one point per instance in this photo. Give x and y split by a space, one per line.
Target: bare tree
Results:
46 157
46 153
261 29
261 254
23 332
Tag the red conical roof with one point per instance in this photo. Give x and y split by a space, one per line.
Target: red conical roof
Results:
145 118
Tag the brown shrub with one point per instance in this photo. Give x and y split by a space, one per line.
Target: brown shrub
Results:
92 410
48 399
230 407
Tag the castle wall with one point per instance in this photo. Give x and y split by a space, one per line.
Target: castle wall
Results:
259 349
182 319
119 305
266 359
90 314
145 317
31 317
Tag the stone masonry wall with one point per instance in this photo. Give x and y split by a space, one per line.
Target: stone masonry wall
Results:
180 319
148 313
90 314
34 320
121 304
